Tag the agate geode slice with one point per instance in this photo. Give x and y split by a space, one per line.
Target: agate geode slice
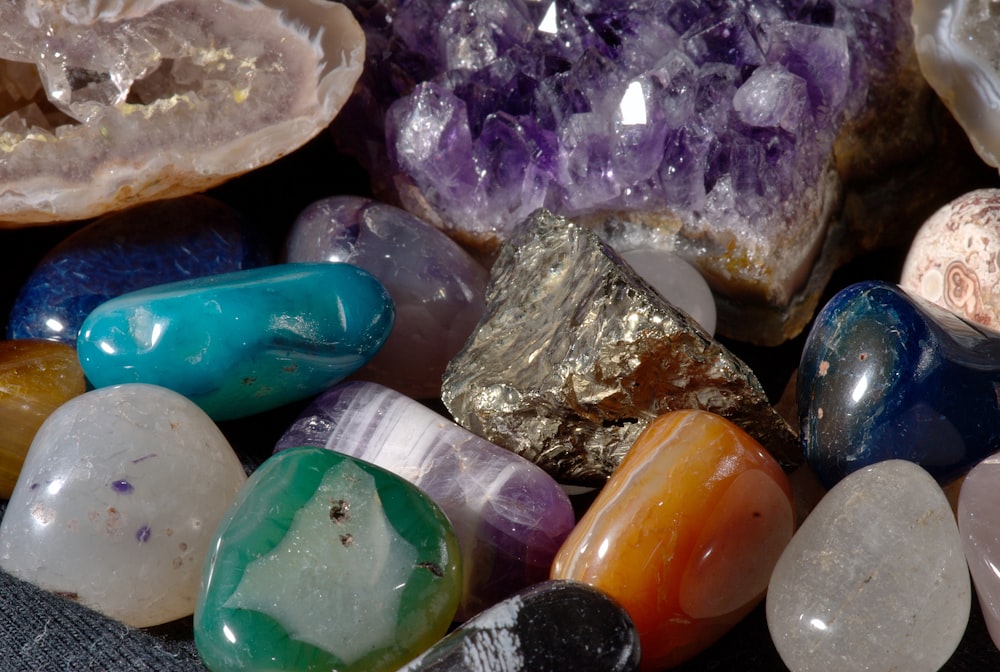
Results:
726 130
957 46
107 104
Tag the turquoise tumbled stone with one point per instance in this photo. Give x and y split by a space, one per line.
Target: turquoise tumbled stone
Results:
244 342
326 562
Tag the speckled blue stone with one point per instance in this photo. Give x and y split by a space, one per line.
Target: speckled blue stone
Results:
147 245
885 375
240 343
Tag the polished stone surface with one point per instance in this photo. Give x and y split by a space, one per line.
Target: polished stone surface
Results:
576 354
36 377
677 281
510 516
552 626
685 533
885 375
979 524
436 286
326 562
244 342
874 579
118 500
151 244
952 260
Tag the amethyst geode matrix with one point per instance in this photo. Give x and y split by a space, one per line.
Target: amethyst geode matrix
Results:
722 128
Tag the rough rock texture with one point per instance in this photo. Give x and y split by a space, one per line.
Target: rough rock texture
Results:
576 354
107 104
727 130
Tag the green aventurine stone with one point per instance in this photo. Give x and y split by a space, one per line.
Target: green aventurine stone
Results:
326 562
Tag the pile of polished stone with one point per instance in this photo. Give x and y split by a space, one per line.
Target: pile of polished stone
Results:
379 523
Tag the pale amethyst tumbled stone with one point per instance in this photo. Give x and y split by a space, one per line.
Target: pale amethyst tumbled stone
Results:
510 516
437 286
979 524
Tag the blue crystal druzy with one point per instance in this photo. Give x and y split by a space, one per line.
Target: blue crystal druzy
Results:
710 109
244 342
884 375
151 244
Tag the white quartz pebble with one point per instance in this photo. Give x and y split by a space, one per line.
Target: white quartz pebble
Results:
677 281
875 578
117 502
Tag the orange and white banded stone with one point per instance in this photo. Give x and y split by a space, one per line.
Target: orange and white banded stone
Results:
685 533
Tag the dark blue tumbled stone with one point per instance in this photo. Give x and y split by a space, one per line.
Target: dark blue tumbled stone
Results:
551 626
150 244
885 375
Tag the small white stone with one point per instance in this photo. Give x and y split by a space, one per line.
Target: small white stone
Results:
875 579
117 502
677 281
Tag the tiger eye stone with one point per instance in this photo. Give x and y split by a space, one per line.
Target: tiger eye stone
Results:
685 533
36 377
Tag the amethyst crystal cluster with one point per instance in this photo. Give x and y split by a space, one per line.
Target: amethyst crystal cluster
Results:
708 126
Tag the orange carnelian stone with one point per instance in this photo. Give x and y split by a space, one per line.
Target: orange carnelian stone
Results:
685 533
36 377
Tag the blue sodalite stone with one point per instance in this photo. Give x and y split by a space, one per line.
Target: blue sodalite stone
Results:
885 375
147 245
244 342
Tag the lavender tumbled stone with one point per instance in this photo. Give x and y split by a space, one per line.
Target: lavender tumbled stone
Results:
509 515
437 286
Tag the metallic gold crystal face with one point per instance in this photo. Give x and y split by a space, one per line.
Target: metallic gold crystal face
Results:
576 354
104 105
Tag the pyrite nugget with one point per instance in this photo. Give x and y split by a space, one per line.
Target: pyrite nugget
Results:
575 354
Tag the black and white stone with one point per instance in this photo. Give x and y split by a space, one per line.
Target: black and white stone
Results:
554 625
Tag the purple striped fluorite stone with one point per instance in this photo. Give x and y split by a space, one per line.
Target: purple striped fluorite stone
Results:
510 516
